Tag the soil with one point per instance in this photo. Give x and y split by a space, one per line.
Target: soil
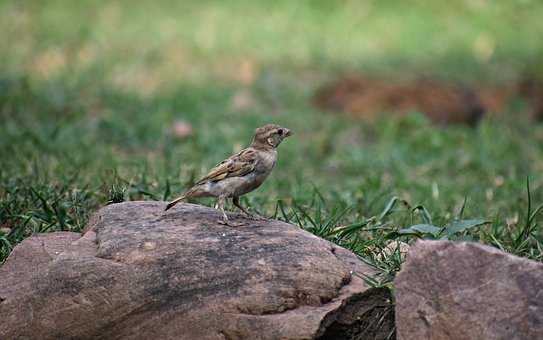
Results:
442 102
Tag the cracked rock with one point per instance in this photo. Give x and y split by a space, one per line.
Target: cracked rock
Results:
140 273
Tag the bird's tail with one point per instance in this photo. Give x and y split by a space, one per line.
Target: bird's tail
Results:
175 201
186 195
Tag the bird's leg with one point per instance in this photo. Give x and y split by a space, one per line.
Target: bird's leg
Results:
236 202
220 205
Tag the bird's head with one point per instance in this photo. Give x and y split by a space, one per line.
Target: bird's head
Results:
270 136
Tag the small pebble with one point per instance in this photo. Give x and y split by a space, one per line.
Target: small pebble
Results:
149 245
182 129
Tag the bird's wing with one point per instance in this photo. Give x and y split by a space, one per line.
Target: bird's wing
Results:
237 165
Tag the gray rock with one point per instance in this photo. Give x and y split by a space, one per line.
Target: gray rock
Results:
140 273
460 290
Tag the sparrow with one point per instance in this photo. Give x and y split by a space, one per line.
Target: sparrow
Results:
240 173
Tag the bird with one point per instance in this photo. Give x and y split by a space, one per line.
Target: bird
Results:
241 173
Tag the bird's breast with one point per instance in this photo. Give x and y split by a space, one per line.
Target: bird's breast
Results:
266 162
253 180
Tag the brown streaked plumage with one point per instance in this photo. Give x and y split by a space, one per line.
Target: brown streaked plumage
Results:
241 173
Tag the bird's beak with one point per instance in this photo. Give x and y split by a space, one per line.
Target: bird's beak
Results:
288 133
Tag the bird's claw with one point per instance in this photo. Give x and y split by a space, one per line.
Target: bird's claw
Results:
256 217
228 223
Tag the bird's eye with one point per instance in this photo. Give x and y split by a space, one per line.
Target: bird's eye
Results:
280 132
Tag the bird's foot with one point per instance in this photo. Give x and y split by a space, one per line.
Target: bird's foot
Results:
226 221
223 222
229 223
255 217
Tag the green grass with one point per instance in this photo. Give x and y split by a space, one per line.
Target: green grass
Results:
89 92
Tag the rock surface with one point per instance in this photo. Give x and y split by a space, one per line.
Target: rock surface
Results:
449 290
140 273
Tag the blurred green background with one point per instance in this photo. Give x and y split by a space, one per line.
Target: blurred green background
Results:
104 101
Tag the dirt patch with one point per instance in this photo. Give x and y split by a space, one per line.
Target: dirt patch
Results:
442 102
